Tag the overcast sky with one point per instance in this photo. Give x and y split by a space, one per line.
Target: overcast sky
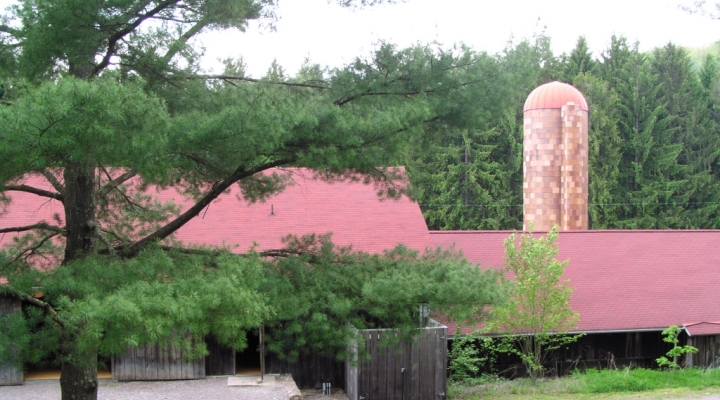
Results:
331 35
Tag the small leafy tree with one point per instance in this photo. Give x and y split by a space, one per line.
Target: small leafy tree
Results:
671 336
537 316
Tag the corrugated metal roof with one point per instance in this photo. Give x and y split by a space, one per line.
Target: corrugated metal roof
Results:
554 95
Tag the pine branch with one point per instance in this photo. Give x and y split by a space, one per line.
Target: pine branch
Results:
195 210
119 35
38 226
26 298
33 190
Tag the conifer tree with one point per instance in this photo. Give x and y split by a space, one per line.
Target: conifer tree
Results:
103 99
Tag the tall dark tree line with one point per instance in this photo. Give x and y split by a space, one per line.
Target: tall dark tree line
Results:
653 140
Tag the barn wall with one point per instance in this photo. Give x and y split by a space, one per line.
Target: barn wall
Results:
310 370
708 354
156 362
221 360
10 373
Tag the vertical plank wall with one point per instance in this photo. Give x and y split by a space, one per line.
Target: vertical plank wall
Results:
309 371
10 373
152 362
708 355
220 360
416 370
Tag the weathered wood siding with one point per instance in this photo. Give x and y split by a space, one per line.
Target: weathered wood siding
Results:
221 360
153 362
415 370
10 374
310 370
708 354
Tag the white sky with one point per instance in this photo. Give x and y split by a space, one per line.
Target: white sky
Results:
333 36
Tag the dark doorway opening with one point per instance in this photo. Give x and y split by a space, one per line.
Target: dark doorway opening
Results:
247 362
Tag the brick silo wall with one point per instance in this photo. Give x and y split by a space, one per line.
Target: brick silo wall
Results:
574 168
542 159
555 168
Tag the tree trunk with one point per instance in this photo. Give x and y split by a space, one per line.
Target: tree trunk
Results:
78 377
79 210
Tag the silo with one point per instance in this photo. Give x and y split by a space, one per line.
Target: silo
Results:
555 158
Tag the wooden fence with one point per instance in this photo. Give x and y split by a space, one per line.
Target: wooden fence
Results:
10 372
415 370
153 362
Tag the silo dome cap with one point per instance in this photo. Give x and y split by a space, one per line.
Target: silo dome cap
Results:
554 95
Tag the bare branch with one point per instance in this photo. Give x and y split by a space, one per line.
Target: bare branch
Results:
98 233
175 47
30 189
39 226
14 293
112 232
246 79
341 102
115 183
32 250
53 181
117 36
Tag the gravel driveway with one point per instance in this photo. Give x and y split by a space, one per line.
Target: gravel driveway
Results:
202 389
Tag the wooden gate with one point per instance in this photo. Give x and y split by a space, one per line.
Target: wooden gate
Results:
415 370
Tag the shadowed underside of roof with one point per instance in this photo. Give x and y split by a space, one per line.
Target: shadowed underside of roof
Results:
624 280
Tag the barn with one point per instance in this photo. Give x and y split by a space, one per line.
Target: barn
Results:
629 285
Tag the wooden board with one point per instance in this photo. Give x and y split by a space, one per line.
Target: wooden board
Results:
10 372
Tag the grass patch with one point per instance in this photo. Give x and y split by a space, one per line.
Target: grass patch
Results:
592 384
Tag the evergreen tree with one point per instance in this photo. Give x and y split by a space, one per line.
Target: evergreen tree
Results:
580 61
651 179
604 150
104 99
687 106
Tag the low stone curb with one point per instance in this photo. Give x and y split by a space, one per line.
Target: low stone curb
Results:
290 387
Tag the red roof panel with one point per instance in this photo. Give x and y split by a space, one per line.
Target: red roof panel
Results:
703 328
623 280
352 211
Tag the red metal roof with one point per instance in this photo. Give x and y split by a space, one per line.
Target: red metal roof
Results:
703 328
554 95
352 211
623 280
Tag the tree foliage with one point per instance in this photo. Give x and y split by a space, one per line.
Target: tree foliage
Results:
322 294
537 315
106 99
671 334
